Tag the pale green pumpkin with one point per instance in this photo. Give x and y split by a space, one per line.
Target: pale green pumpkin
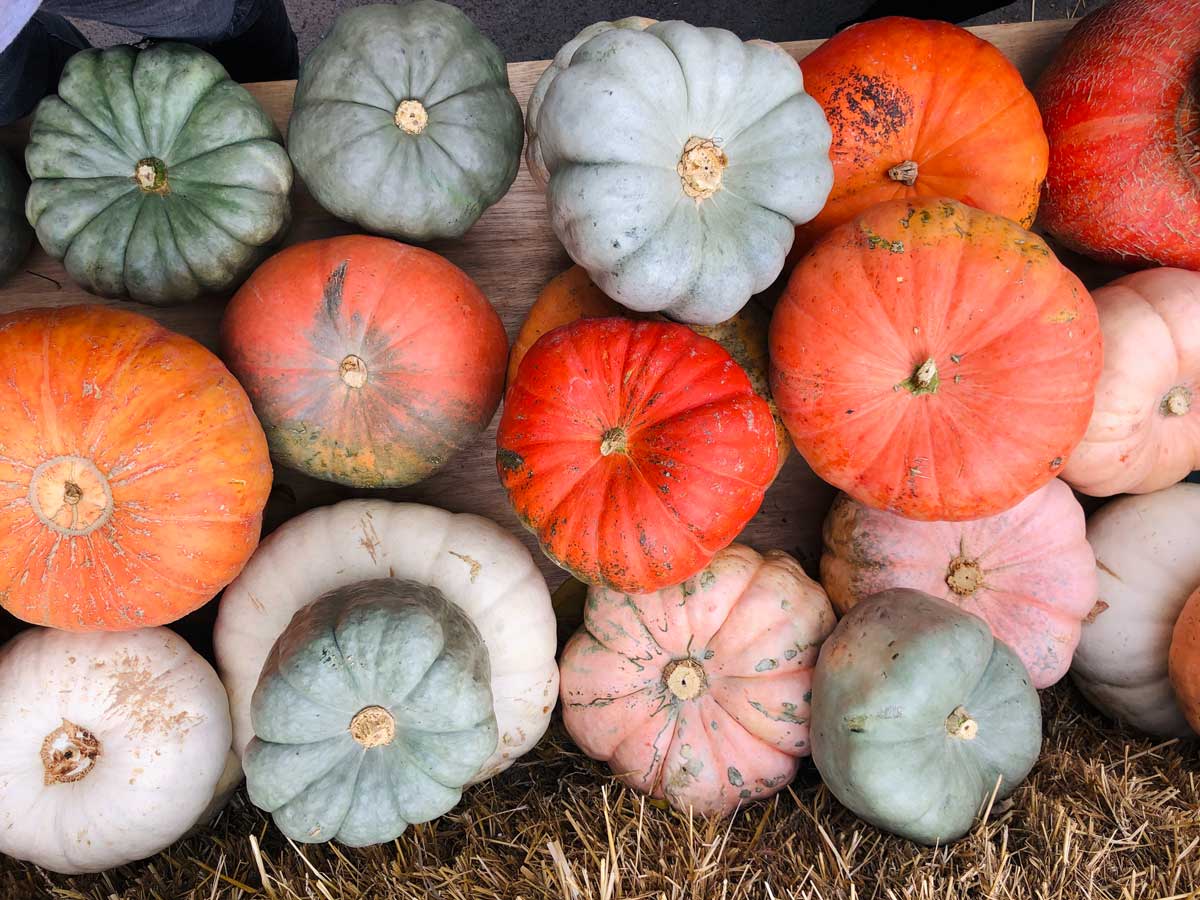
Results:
403 121
15 233
919 714
373 709
154 175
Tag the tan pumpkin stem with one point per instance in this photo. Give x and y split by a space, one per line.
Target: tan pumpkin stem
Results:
70 495
924 379
906 172
685 678
964 576
353 371
373 726
150 175
69 753
1177 401
614 441
959 724
700 167
411 117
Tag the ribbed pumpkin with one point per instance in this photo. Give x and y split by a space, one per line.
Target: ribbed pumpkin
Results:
369 362
934 360
633 450
133 473
15 234
920 109
1183 660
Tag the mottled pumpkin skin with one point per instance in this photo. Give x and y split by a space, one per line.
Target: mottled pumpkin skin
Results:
699 693
1121 101
370 363
1028 572
572 295
633 450
1183 662
133 473
934 360
899 91
16 236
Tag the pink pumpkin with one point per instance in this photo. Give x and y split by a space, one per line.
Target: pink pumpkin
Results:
700 693
1144 433
1028 572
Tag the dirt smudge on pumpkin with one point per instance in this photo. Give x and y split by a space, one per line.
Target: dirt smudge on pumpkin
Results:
331 298
1062 316
370 540
474 564
145 700
1096 612
1105 569
866 112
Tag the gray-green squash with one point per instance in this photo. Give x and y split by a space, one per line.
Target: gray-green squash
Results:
373 709
678 161
154 175
15 234
919 714
403 121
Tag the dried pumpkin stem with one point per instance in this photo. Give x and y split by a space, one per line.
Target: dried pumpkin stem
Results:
685 678
70 495
924 379
1177 402
69 753
964 576
353 371
411 117
700 167
150 175
614 441
905 172
959 724
373 726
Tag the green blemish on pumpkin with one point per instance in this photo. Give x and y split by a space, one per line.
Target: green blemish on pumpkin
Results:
789 654
709 654
787 716
879 242
745 794
856 724
713 723
509 460
734 776
707 579
808 696
766 665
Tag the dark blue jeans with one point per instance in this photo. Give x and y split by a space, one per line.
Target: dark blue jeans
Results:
253 39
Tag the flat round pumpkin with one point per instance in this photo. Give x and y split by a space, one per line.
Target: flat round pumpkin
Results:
699 693
1028 572
924 109
370 363
403 121
373 709
1183 660
1144 434
919 715
934 360
154 175
133 474
633 450
16 236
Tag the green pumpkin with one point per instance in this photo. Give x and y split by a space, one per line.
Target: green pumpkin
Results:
403 121
154 175
373 709
918 713
15 233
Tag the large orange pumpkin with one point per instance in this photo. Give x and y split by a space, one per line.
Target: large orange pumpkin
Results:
369 362
133 473
920 109
1183 660
633 450
935 360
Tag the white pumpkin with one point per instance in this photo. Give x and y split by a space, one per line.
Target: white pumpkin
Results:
111 745
476 564
1148 562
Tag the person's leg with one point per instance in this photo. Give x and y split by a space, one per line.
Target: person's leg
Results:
31 65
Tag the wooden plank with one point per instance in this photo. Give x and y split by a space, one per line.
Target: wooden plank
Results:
511 253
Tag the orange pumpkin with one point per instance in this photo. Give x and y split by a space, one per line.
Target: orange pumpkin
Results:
133 473
935 360
919 109
572 295
369 362
1183 660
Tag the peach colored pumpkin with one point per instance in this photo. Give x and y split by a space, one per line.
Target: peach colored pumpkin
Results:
699 693
1183 660
1028 572
1144 433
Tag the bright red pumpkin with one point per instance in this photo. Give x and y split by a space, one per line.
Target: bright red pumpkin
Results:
919 109
1121 102
369 362
633 450
934 360
133 474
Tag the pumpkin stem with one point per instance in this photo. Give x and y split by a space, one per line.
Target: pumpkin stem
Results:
906 172
70 495
924 379
1177 402
685 678
959 724
373 726
614 441
353 371
69 753
411 117
964 576
700 167
150 175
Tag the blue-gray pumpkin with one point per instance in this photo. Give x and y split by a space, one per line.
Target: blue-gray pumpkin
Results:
15 233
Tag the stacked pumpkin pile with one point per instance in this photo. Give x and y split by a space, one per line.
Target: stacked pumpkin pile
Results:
929 356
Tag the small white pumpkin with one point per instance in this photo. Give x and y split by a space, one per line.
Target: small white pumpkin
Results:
476 564
111 745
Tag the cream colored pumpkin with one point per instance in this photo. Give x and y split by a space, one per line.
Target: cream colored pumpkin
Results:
1144 433
1148 560
111 745
475 563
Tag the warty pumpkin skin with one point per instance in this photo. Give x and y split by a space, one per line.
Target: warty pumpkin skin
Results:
1148 564
1121 104
369 362
633 450
923 109
154 175
373 709
681 199
16 236
934 360
919 715
1028 572
1144 434
111 745
403 121
699 693
133 474
1183 661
